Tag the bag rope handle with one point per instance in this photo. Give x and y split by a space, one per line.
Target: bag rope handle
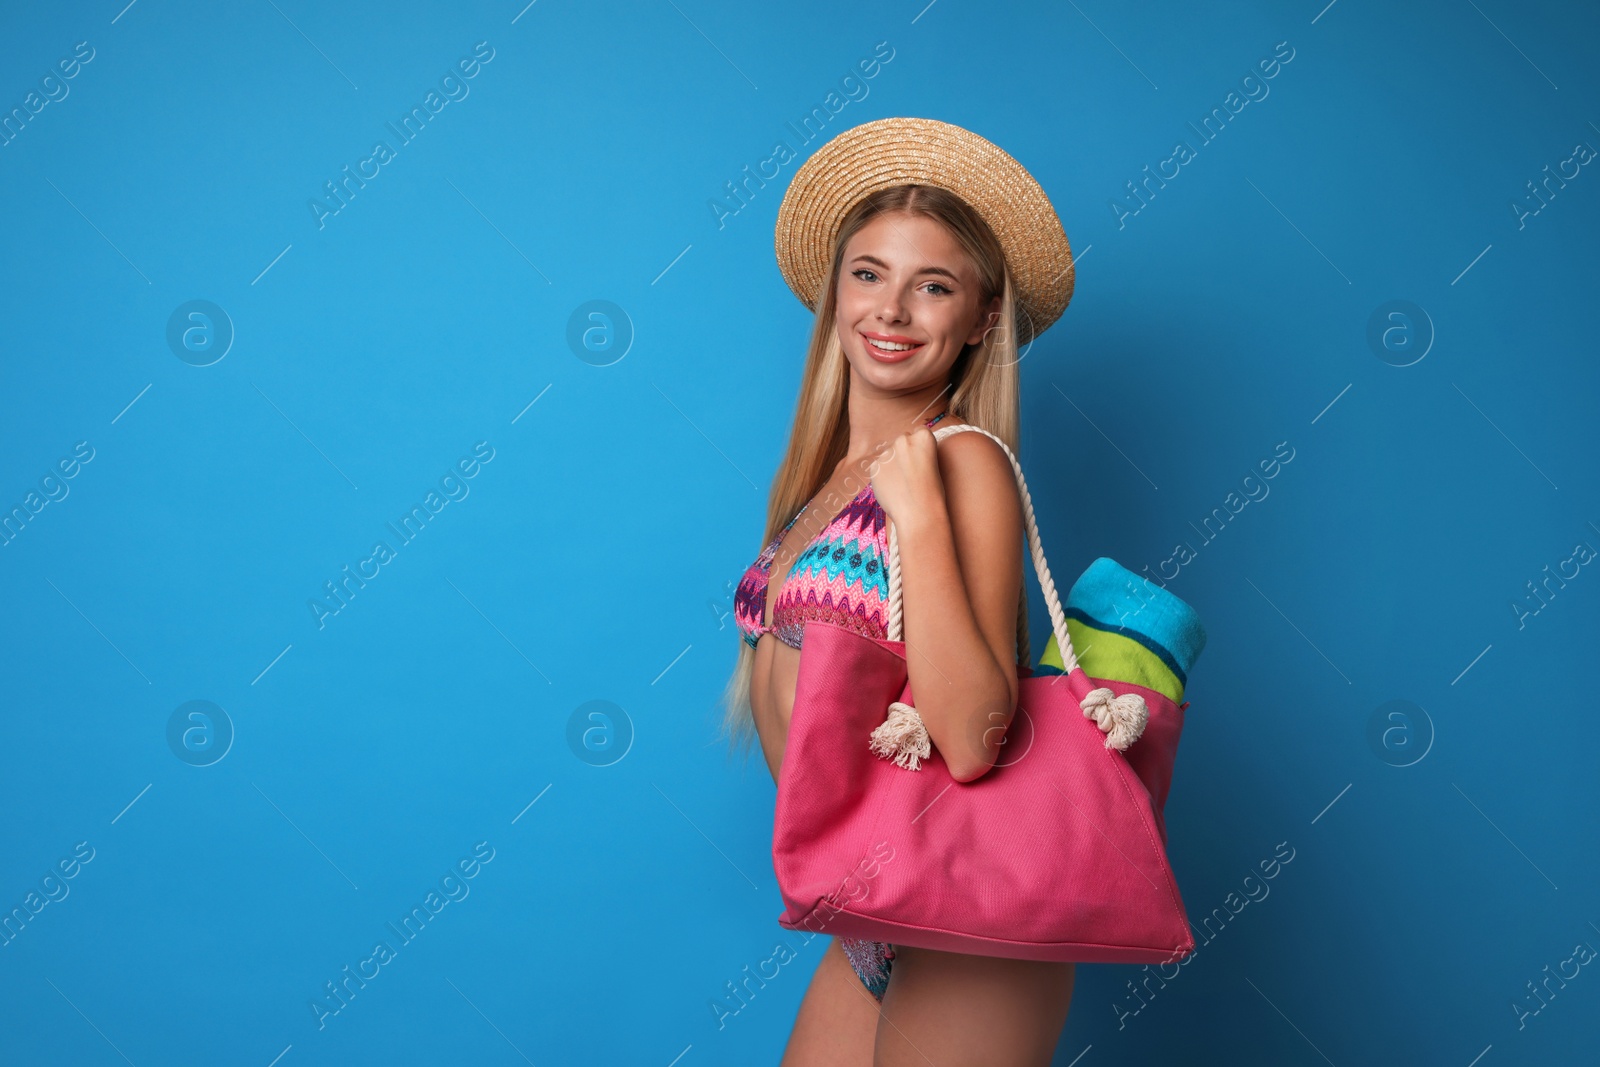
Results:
903 738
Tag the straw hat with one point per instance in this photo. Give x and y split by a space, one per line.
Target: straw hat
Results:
907 151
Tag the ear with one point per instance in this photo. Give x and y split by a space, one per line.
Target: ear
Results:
986 321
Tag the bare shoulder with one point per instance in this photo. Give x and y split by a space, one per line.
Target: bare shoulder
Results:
975 465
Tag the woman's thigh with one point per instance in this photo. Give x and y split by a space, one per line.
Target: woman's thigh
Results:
955 1010
838 1019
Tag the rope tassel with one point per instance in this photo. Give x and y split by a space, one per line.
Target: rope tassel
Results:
1121 718
902 737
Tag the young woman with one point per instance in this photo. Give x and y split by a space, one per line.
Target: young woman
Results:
917 325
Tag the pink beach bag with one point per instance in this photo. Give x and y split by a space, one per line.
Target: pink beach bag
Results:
1057 853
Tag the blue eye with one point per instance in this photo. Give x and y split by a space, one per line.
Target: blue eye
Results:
871 276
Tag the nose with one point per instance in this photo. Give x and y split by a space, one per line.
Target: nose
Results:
893 307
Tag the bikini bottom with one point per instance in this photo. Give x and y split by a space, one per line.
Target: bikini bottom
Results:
872 962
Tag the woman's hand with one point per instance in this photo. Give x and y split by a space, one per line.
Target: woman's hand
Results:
906 479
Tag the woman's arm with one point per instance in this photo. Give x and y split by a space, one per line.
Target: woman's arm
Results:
960 575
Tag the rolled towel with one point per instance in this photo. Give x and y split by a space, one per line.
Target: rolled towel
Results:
1126 628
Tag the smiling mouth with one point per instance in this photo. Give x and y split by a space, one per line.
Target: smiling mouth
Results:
892 348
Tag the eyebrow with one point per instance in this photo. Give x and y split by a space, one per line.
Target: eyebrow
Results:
875 261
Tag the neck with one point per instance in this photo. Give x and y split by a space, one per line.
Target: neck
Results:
875 419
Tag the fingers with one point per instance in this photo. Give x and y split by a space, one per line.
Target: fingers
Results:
917 441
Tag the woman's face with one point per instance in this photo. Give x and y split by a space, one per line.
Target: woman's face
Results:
908 302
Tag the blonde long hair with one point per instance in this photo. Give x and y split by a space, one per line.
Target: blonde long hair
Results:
984 391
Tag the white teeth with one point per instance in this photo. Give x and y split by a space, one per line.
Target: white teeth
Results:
889 346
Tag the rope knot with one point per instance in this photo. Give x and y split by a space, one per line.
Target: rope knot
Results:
902 737
1121 718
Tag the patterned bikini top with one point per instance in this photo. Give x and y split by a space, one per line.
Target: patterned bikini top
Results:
839 577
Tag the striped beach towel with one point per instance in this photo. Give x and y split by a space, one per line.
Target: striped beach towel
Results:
1127 628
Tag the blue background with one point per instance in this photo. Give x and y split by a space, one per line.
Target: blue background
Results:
594 557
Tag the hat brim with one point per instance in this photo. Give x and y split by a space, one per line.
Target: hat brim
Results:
911 151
